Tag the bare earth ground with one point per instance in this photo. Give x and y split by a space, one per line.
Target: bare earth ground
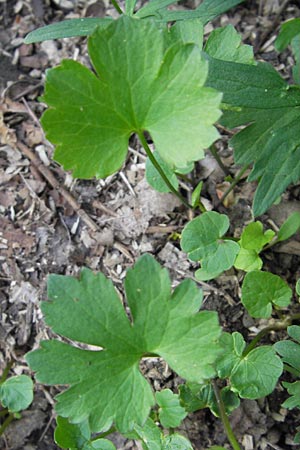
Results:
50 223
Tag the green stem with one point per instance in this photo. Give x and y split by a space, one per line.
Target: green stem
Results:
291 370
234 183
116 6
102 435
6 371
5 424
276 327
160 170
4 412
229 432
214 152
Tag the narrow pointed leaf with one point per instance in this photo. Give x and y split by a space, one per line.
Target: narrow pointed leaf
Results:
289 227
67 28
105 384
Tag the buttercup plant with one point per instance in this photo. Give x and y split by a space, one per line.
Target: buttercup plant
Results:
159 80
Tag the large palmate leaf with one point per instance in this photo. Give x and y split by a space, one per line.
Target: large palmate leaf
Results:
106 385
143 82
258 97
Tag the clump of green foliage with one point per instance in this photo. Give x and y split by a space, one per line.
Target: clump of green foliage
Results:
163 80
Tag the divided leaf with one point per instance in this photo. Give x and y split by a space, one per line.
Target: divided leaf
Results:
105 384
171 413
202 240
262 290
256 96
225 44
142 83
253 375
16 393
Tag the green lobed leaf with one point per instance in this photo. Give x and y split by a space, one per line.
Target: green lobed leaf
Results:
253 375
225 44
16 393
142 83
67 28
262 290
248 260
154 178
78 436
150 434
202 240
258 97
289 227
171 413
105 384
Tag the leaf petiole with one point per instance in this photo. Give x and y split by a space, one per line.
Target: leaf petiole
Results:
7 421
234 183
116 6
229 432
160 170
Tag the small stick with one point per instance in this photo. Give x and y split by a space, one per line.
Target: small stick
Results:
47 174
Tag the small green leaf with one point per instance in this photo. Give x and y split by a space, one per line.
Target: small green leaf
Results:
233 346
289 227
298 287
206 11
16 393
202 240
150 435
225 44
176 442
89 310
248 260
142 83
154 178
196 396
196 194
78 436
262 290
288 31
171 413
254 237
67 28
294 390
252 241
289 350
189 32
